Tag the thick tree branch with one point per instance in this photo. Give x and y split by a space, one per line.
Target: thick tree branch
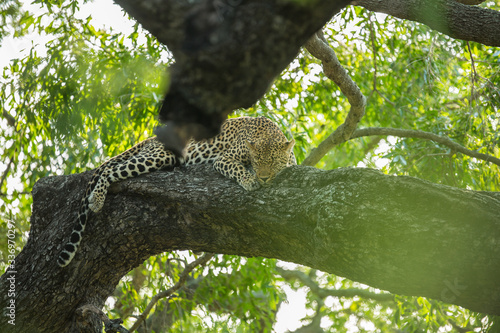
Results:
399 234
406 133
449 17
332 68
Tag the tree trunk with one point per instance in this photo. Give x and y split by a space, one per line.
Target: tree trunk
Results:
400 234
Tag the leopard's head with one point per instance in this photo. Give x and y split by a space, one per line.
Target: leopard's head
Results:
268 157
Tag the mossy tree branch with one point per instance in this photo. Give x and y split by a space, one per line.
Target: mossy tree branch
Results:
399 234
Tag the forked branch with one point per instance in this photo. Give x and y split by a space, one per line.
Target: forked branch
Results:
332 68
166 293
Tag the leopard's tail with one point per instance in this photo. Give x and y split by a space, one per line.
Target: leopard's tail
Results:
69 250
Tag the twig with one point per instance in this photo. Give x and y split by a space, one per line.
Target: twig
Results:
375 68
384 97
15 193
405 133
6 172
332 68
374 51
166 293
472 79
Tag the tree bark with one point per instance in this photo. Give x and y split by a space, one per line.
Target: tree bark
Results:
400 234
449 17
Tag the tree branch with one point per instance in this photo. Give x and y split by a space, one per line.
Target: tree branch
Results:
375 53
290 275
399 234
5 174
449 17
406 133
166 293
470 2
332 68
315 325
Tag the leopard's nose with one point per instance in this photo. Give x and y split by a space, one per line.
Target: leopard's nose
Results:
264 179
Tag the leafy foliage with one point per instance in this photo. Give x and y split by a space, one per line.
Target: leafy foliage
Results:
91 93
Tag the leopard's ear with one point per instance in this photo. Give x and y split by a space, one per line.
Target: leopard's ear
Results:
289 145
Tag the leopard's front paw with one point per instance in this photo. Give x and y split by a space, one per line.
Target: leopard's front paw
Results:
250 183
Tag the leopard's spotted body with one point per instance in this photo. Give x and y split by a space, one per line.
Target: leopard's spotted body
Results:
242 142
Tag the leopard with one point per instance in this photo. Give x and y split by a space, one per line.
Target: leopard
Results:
249 150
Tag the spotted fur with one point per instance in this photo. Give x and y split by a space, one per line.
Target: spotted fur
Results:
251 151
